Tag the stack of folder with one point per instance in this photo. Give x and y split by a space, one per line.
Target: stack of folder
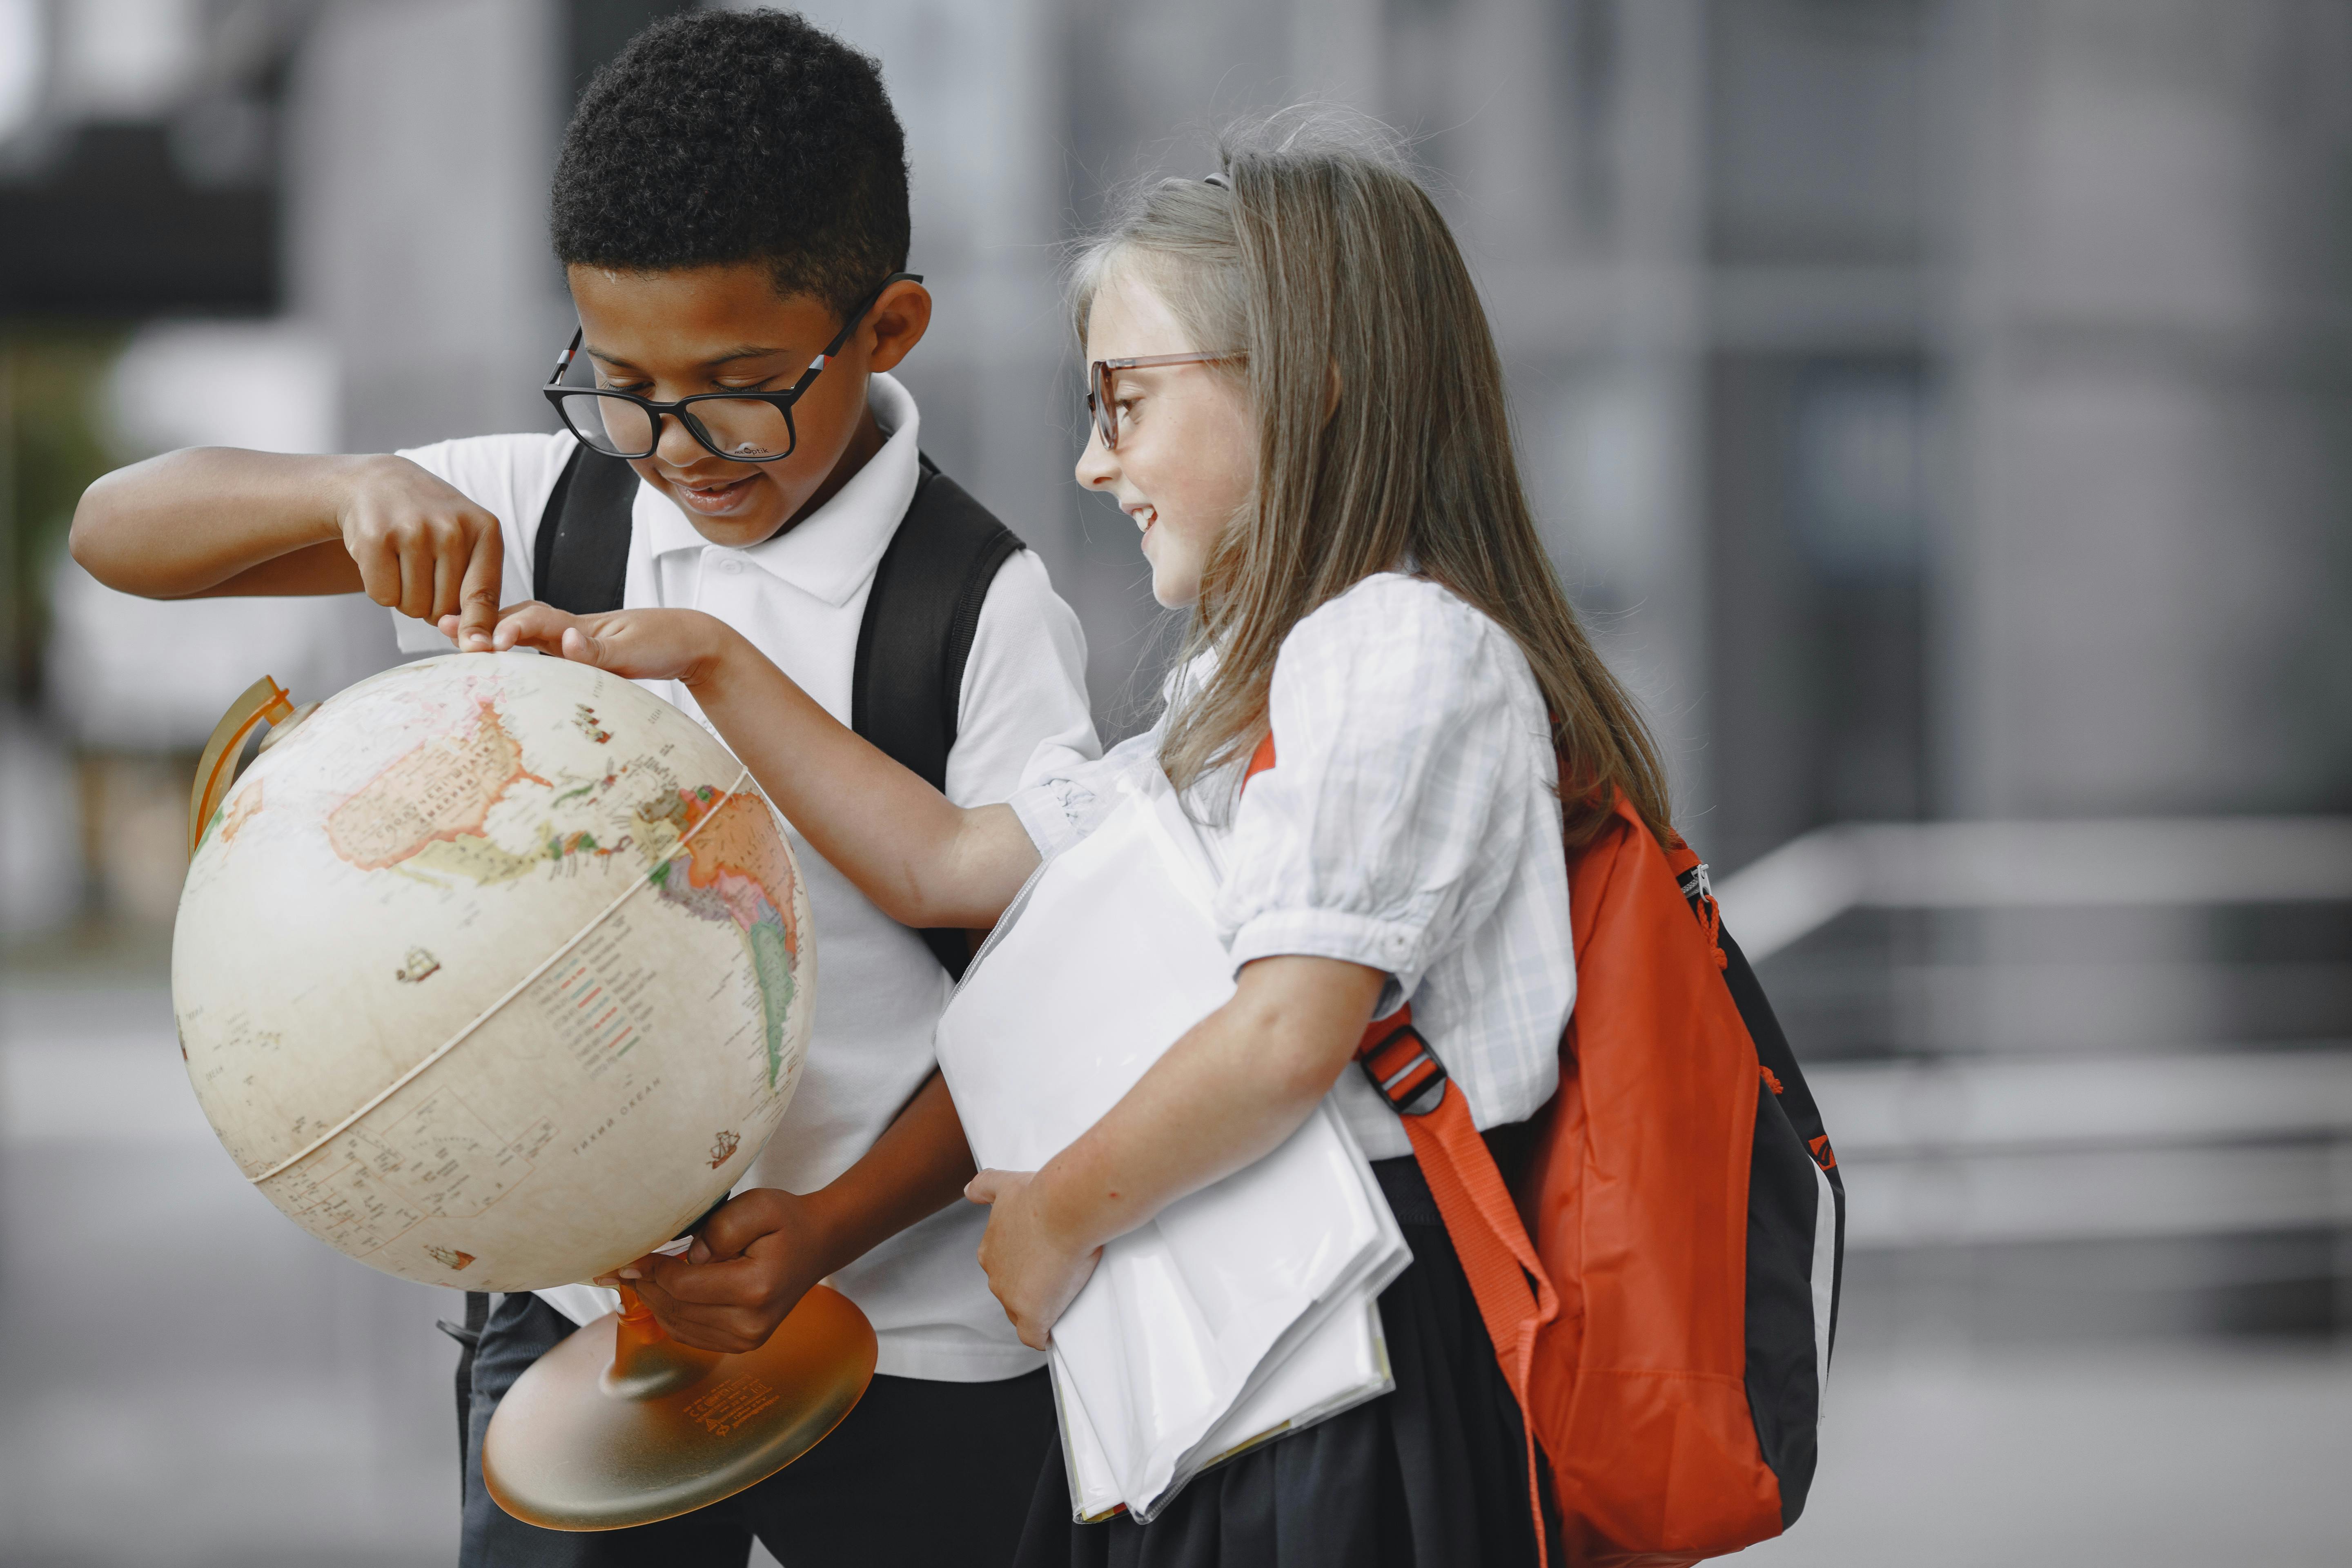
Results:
1244 1311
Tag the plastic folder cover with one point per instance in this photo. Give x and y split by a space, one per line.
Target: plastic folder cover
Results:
1175 1354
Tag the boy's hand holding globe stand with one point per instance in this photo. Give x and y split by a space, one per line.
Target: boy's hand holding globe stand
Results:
728 1285
495 973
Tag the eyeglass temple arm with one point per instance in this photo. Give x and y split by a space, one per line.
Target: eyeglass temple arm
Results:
563 360
1146 360
858 315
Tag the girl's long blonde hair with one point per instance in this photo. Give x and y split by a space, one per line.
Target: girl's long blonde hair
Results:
1330 271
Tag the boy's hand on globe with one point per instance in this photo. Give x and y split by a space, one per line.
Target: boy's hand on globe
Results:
747 1270
641 645
423 547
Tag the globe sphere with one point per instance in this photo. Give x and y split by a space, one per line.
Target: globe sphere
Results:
494 972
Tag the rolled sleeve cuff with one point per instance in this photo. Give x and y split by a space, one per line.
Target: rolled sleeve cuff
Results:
1044 816
1392 947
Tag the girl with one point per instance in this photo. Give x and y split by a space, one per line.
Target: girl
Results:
1296 399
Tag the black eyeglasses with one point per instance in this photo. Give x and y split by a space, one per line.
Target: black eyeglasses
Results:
1098 398
740 427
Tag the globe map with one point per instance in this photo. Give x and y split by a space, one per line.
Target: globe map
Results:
494 972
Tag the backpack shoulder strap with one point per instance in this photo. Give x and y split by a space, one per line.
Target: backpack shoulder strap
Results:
907 689
579 562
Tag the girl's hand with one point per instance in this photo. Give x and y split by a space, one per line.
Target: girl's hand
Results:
641 645
1033 1273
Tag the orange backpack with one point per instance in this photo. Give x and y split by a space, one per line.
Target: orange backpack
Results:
1662 1289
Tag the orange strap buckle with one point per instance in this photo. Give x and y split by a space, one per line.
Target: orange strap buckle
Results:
1404 1070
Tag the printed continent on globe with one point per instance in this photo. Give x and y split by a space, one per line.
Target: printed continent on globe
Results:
494 972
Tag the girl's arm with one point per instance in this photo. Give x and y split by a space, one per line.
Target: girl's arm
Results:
923 859
1237 1084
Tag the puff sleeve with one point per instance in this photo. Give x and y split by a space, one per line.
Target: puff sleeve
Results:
1408 729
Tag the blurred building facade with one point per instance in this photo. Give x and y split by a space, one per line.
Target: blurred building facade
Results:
1941 409
1938 404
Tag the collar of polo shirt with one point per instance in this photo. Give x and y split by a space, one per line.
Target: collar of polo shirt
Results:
830 553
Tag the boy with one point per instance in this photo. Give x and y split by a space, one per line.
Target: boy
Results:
730 209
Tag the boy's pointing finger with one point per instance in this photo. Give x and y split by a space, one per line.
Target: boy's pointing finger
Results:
477 606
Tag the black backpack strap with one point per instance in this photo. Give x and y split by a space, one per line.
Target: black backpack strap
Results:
916 638
580 562
908 687
1788 1164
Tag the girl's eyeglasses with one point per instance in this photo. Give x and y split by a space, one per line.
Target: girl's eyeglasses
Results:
740 427
1098 374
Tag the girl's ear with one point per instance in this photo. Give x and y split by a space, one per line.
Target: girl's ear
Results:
899 320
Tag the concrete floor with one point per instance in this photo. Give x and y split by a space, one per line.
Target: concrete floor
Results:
2151 1458
189 1380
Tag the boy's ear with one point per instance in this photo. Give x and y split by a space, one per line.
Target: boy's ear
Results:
898 321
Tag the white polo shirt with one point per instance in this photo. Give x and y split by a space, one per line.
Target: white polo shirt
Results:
799 597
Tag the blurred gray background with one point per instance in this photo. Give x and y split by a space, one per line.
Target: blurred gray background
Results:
1942 409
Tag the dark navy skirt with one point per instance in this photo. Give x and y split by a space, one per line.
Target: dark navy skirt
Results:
1434 1473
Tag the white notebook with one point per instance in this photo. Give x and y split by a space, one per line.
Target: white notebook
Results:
1186 1344
1337 1367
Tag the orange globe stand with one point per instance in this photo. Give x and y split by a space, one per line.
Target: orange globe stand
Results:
264 702
621 1424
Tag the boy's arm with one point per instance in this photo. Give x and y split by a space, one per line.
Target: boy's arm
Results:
758 1256
216 520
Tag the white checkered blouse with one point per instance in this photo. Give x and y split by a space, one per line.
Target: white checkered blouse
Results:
1410 826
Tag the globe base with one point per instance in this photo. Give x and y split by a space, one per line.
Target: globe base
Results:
621 1424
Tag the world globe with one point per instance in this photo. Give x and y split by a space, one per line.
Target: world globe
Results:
493 971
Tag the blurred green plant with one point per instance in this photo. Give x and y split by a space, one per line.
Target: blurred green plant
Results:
54 440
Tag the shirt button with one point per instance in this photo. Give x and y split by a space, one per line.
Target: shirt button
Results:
731 566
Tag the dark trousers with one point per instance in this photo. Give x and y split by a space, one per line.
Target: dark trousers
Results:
920 1473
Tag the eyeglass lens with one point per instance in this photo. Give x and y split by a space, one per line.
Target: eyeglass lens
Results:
733 427
1099 403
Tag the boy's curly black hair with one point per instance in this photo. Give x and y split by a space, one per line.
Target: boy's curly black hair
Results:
718 137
